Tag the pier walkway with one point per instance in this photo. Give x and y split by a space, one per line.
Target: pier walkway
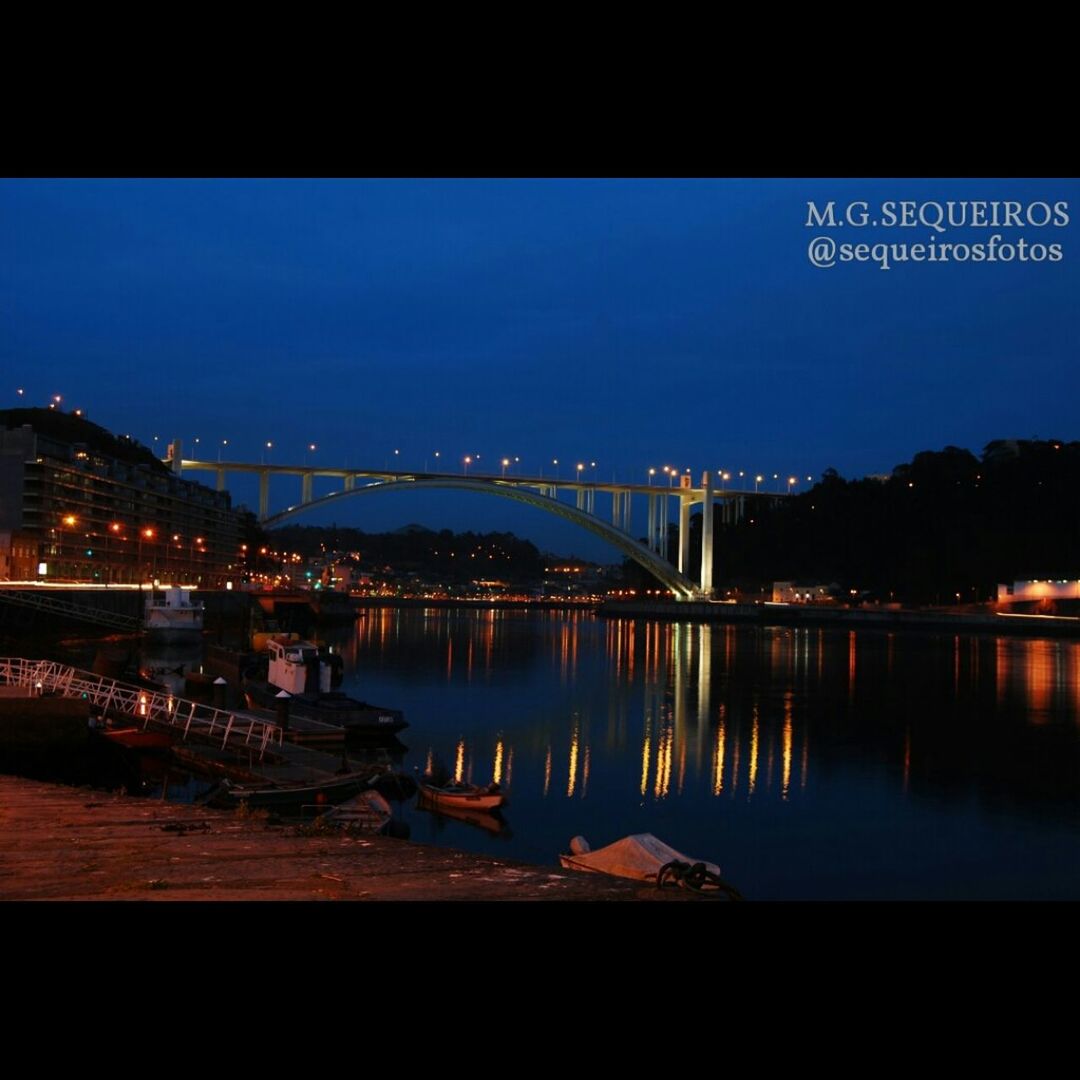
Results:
61 843
185 720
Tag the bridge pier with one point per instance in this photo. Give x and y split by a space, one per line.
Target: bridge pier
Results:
305 488
707 536
684 534
627 502
652 523
220 479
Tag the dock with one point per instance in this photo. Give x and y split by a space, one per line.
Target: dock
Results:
60 843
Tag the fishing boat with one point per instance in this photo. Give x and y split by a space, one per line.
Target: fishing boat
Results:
366 812
173 618
136 738
270 794
458 796
306 676
491 821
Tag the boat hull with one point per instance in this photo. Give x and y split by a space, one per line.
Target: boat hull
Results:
356 717
460 800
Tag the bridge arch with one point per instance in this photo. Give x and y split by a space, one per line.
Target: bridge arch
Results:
679 584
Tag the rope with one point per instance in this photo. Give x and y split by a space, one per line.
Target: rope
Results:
698 878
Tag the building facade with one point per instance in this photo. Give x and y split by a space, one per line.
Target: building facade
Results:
78 503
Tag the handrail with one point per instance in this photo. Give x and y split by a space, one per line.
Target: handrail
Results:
148 706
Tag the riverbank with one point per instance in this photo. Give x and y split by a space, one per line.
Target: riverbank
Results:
813 615
60 843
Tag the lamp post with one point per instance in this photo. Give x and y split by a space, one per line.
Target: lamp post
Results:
144 534
468 462
555 462
652 473
505 464
757 480
70 521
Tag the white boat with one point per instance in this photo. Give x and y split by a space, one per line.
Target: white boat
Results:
174 617
457 796
643 857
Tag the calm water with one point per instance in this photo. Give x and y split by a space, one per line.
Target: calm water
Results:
807 763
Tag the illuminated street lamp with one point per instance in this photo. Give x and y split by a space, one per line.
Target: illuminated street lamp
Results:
68 521
144 534
555 462
505 464
224 443
652 473
266 452
311 448
757 480
791 482
468 462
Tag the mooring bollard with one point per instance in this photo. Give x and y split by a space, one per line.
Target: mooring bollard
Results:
219 692
283 698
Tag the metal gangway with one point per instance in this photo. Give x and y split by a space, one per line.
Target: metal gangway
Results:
56 605
190 720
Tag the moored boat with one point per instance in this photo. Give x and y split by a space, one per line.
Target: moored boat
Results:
306 676
270 794
136 738
457 796
644 857
173 618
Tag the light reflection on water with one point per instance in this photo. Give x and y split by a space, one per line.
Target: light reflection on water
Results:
808 762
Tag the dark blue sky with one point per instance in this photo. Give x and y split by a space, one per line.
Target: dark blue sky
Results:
634 323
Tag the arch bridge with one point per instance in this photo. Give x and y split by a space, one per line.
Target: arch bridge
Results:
544 494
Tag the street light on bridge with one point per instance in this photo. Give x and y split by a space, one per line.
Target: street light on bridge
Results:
468 462
505 463
757 480
652 473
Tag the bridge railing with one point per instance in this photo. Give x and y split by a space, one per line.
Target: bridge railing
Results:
190 719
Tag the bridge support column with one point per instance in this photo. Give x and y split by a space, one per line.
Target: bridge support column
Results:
616 509
220 479
580 498
305 488
707 537
350 483
652 523
663 523
684 534
264 494
626 510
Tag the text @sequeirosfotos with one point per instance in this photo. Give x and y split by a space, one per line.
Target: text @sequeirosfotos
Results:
954 231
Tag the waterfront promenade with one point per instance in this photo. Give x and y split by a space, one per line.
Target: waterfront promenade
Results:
61 843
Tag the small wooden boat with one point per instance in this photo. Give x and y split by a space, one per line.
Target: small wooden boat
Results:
136 738
328 792
366 812
491 821
456 796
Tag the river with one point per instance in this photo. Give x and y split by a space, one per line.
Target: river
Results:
808 763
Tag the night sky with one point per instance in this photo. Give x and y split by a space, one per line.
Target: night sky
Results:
634 323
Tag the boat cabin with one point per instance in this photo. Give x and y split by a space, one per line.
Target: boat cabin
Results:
296 667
